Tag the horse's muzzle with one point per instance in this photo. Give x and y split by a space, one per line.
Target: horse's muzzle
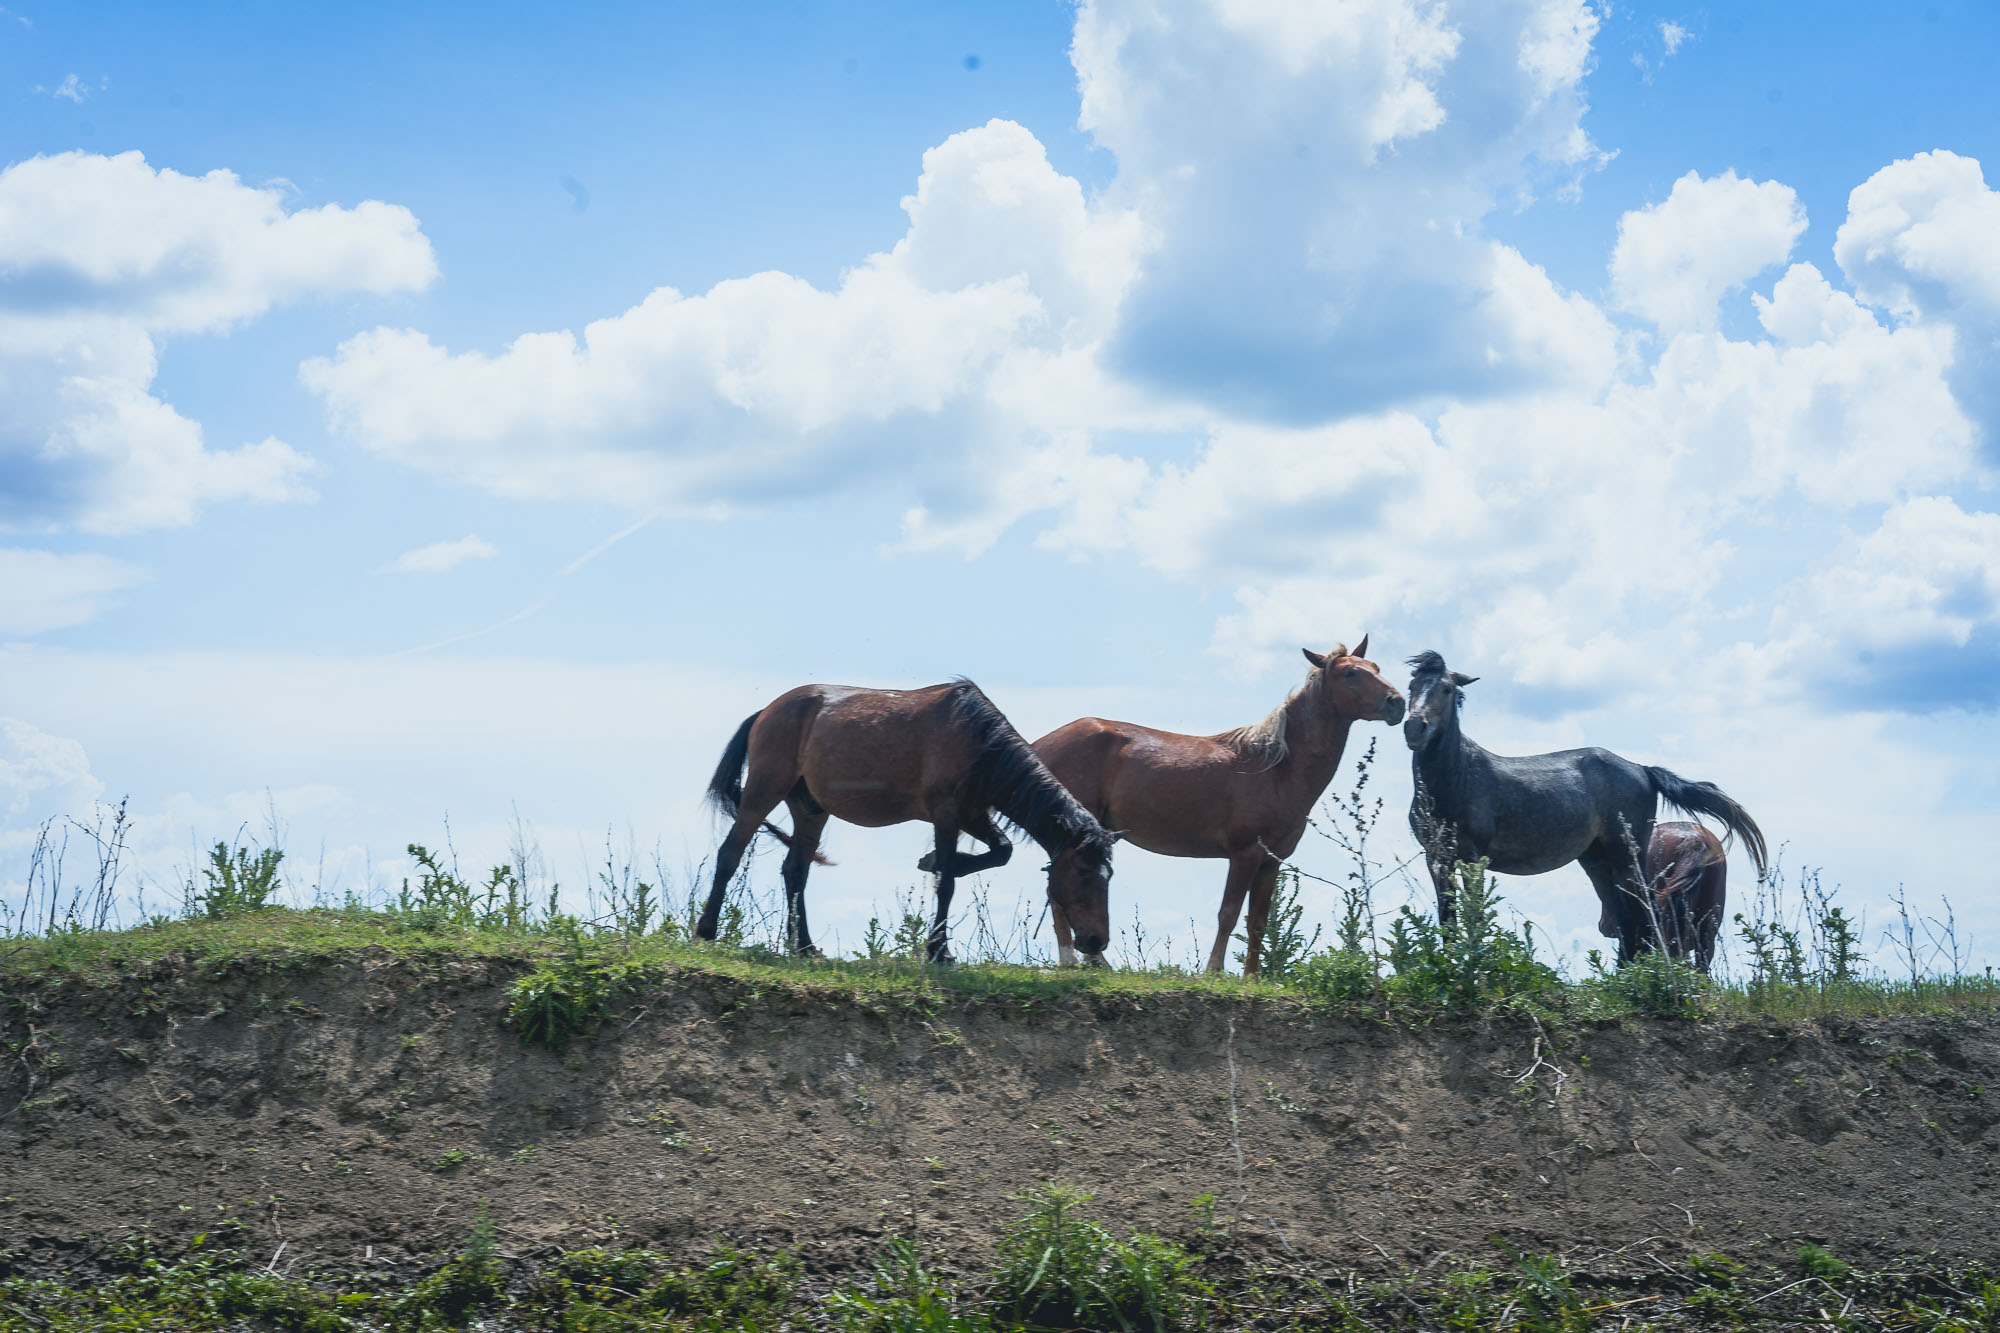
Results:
1392 709
1413 733
1091 944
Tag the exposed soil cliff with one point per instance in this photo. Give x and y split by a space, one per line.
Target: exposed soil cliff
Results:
359 1110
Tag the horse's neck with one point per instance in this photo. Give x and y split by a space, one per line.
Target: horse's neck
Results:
1314 744
1051 817
1442 770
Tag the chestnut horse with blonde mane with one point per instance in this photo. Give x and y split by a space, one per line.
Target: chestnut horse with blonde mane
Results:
1241 796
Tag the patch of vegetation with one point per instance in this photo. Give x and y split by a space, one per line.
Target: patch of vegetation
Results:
235 881
1056 1269
571 992
599 1290
903 1294
1286 946
204 1289
1059 1269
474 1281
1470 964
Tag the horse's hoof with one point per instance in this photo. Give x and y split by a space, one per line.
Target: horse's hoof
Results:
928 864
1094 960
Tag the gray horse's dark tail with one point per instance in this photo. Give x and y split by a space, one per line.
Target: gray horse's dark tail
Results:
725 789
1705 798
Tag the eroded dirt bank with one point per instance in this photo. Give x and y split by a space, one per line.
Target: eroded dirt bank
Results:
359 1111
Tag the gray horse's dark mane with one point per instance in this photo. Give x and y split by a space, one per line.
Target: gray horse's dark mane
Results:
1008 777
1430 668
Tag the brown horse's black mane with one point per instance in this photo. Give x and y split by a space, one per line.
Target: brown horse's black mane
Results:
1008 778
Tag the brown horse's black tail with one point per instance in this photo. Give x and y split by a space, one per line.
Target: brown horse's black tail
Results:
1705 798
725 789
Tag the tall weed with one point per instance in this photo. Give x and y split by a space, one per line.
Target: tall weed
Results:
236 881
1058 1269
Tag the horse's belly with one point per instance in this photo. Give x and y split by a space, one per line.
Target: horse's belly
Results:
1508 858
869 802
1169 842
864 768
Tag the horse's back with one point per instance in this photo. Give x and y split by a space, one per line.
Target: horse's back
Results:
1612 781
1085 755
871 756
1170 793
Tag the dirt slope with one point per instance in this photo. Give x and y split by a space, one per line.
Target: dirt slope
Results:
317 1107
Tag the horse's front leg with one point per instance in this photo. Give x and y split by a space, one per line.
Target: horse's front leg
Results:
1243 868
808 822
938 948
1065 940
1444 886
999 850
1262 885
1626 902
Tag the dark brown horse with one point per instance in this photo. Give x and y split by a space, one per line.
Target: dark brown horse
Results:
1687 871
1242 796
944 755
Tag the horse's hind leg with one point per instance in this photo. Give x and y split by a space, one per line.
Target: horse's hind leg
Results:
808 822
761 794
1709 898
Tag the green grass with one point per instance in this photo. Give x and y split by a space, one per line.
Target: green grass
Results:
1054 1269
567 980
278 939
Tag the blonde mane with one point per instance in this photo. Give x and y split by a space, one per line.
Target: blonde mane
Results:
1264 742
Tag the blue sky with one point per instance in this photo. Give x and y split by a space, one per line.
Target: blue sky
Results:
1203 331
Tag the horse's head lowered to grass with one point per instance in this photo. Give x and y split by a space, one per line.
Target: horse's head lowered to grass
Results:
1352 686
1436 692
1080 885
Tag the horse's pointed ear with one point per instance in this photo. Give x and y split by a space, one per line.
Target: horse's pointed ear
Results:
1460 678
1361 649
1313 657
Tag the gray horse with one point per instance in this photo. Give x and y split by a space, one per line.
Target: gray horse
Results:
1536 813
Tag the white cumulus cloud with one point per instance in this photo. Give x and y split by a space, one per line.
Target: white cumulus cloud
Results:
766 385
1910 617
100 258
1675 261
1919 240
41 775
442 557
1575 541
1314 178
1376 416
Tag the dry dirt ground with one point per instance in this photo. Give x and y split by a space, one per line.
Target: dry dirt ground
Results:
357 1112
